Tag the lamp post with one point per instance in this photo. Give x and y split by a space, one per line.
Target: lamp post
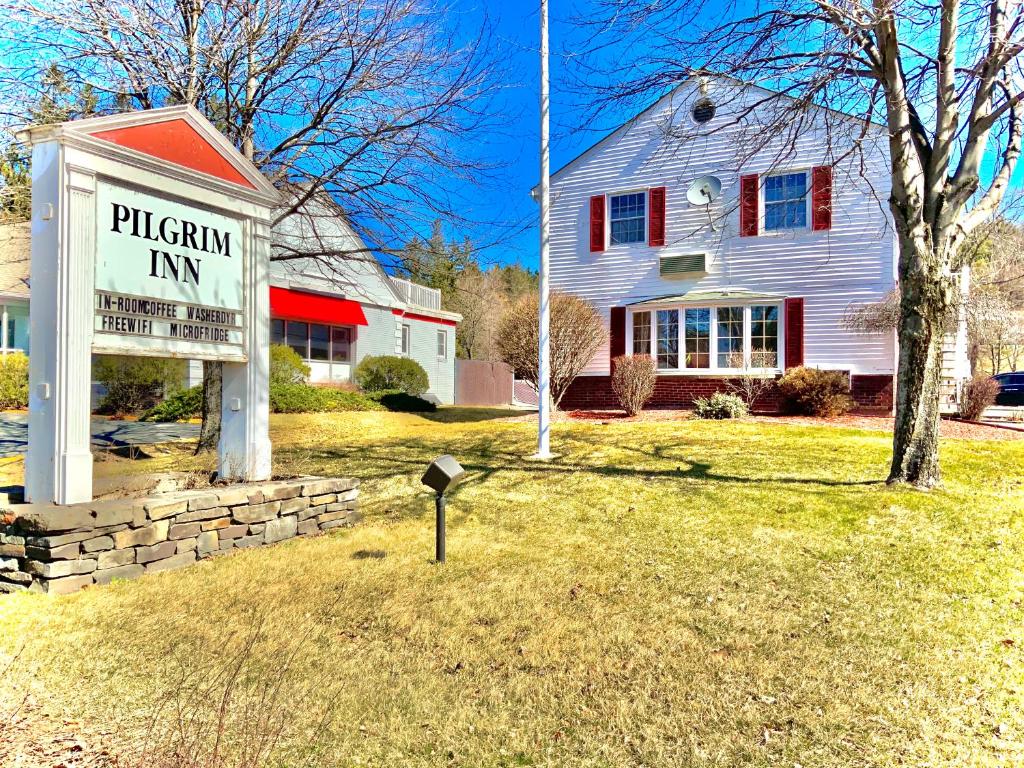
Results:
443 473
544 331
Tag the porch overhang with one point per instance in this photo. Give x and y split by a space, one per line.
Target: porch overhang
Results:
707 297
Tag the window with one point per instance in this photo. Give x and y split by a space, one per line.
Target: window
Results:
764 337
703 110
277 331
319 342
668 338
406 331
628 218
341 344
641 333
697 328
297 335
442 345
730 337
785 201
313 341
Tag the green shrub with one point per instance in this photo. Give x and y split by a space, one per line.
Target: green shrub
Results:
388 373
400 401
14 380
135 384
976 395
814 392
180 406
720 405
286 367
303 398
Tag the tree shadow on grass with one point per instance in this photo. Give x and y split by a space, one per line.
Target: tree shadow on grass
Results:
410 457
469 414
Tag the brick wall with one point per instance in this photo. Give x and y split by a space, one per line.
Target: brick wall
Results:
595 392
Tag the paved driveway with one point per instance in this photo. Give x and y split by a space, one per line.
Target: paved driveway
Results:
106 433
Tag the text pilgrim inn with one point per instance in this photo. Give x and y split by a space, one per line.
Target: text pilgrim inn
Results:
139 316
171 231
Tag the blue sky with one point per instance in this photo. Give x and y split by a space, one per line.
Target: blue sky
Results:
516 25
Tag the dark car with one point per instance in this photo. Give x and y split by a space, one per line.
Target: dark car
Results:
1011 388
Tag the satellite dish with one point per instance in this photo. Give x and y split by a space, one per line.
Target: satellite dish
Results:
704 190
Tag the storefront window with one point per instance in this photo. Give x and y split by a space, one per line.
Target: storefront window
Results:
319 342
298 338
340 344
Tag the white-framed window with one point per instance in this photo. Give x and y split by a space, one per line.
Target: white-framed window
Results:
764 336
406 338
785 201
627 216
730 337
710 339
697 330
442 345
313 341
668 339
641 333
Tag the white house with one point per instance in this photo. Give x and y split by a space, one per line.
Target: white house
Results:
756 281
336 311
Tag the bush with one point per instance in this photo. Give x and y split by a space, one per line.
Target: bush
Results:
14 380
633 381
814 392
976 395
390 373
182 405
303 398
135 384
400 401
286 367
720 405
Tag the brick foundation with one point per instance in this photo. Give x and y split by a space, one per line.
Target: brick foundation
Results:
595 392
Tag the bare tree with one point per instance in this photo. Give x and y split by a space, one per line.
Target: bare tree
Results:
577 332
369 101
943 76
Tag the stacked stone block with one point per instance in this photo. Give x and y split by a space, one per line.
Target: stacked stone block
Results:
60 549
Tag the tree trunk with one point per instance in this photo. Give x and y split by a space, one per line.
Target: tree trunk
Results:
213 384
926 298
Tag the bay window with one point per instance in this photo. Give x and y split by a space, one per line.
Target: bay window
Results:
710 339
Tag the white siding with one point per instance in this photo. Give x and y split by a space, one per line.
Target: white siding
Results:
423 349
850 264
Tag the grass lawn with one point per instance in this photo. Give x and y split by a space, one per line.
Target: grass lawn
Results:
663 594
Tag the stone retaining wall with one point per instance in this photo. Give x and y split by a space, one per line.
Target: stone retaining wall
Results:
61 549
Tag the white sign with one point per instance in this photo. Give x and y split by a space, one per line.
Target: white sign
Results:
169 278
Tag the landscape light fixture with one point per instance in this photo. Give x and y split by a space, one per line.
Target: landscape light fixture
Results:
443 473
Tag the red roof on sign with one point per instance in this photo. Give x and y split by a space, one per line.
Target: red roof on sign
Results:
176 142
302 306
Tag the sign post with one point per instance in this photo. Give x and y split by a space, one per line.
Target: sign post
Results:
150 237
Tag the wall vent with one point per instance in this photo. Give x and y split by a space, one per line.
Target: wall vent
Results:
681 266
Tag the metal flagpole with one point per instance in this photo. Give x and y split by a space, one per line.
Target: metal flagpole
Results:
544 370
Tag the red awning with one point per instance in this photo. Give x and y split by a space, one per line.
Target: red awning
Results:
308 307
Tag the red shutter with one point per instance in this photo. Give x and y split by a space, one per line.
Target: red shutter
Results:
749 205
656 220
821 198
617 335
794 332
597 223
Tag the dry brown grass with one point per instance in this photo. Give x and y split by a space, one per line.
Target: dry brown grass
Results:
664 594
